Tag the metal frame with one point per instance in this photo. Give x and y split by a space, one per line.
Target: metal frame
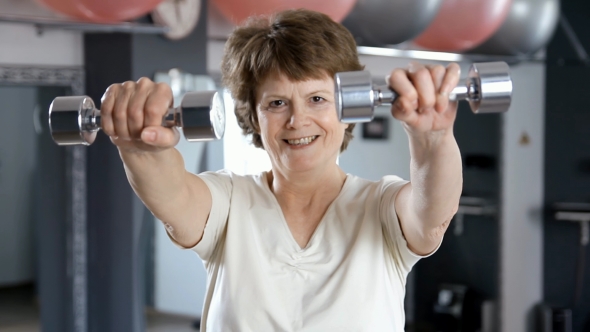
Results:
45 23
72 78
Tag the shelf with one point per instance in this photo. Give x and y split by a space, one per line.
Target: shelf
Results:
575 212
46 23
474 206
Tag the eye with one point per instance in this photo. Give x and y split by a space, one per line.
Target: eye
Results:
317 99
276 103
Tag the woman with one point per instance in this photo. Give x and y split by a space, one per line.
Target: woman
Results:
303 246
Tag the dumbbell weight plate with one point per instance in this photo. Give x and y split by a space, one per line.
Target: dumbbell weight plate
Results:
354 96
66 116
495 87
203 116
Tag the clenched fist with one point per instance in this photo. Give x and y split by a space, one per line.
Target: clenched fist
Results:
132 113
423 97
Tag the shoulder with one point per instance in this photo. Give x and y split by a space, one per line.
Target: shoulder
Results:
362 191
233 181
386 183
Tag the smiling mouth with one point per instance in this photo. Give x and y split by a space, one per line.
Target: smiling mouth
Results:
301 141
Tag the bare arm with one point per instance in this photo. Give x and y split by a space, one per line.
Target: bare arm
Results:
131 115
180 199
427 204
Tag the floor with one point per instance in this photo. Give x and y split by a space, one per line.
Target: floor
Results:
19 313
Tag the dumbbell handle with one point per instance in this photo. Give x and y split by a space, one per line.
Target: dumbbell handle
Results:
383 94
91 119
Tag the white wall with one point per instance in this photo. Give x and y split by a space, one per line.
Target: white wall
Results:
521 221
21 44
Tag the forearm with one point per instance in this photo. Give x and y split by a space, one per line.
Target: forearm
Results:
436 178
158 178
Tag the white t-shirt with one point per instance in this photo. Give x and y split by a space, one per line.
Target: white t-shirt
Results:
350 277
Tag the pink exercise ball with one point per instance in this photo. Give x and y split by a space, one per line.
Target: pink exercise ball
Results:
463 24
66 7
104 11
238 10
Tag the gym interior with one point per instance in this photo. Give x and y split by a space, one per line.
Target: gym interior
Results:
79 251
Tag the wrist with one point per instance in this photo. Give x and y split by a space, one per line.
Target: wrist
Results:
430 140
432 146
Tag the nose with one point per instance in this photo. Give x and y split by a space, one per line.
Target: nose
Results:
300 116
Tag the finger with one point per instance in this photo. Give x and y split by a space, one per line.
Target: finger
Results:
120 110
159 100
160 136
404 110
422 80
106 109
135 109
450 81
407 96
437 73
451 78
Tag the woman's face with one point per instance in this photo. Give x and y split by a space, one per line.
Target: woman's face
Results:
298 123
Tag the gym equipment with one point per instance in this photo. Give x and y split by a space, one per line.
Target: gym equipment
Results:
238 11
488 89
527 28
463 24
75 120
386 22
105 11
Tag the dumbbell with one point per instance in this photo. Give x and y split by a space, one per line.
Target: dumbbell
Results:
76 120
487 88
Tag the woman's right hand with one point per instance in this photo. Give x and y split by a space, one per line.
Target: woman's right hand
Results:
132 113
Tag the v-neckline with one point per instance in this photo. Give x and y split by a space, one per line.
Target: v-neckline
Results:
289 235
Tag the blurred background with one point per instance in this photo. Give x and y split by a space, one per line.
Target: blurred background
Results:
79 252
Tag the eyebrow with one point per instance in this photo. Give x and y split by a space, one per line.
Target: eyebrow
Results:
278 96
319 91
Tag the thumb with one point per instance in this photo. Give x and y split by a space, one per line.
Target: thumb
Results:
159 136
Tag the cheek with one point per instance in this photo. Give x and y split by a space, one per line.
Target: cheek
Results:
268 126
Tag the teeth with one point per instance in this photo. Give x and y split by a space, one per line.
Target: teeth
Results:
302 141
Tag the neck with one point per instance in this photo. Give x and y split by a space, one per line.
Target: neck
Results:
303 187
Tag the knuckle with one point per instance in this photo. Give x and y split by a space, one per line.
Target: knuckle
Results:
422 73
110 92
398 74
136 118
153 110
406 105
438 70
454 68
113 88
143 81
128 87
119 115
135 112
163 88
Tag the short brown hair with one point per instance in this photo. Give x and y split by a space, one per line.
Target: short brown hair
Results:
300 44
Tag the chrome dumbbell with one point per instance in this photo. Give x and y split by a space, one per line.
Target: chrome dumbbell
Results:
487 88
75 120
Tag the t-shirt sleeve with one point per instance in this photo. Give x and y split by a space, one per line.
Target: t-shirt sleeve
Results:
403 255
220 184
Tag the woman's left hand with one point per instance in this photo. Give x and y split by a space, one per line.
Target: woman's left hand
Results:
423 97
